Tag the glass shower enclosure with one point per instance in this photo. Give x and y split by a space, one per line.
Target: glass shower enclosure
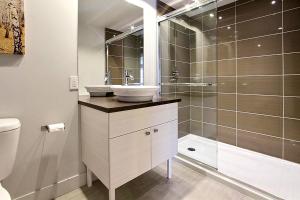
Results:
188 67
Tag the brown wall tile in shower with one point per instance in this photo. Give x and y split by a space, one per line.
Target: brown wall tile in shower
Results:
264 85
259 27
256 8
260 124
226 50
184 129
227 84
167 67
227 135
226 34
227 101
182 39
183 69
259 46
209 53
290 4
291 16
210 115
210 37
291 85
226 17
261 143
265 65
210 131
291 63
184 114
255 64
196 128
227 118
196 98
292 151
292 107
196 55
209 68
196 69
182 54
115 50
210 100
196 113
291 41
226 67
185 98
268 105
292 129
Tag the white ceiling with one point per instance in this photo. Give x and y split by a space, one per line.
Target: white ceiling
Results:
177 3
181 3
114 14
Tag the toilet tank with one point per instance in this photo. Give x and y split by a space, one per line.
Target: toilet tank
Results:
9 139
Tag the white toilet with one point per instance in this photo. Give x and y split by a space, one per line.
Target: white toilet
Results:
9 138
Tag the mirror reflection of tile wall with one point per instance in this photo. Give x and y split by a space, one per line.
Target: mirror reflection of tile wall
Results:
125 54
251 50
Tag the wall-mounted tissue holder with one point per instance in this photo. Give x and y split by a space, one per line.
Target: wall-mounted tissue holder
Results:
50 128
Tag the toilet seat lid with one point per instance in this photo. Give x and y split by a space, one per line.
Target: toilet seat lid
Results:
9 124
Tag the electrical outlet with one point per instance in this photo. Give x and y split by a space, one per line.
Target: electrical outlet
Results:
73 83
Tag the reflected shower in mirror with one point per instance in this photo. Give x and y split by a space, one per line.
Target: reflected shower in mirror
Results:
124 57
97 22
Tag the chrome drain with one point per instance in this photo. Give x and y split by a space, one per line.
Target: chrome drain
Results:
191 149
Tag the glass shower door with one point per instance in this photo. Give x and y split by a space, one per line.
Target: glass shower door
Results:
188 69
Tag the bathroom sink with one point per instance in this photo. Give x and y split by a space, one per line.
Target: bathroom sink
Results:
99 90
134 93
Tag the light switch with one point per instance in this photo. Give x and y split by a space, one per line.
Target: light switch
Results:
73 83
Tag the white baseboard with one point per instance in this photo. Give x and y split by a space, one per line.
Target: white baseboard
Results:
57 189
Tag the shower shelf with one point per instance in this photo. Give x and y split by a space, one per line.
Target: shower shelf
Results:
191 84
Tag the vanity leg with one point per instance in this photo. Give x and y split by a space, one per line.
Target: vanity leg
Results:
112 194
89 177
169 170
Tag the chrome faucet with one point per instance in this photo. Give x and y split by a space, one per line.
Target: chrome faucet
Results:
127 76
107 78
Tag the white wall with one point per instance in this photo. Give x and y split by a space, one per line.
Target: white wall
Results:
34 88
150 43
91 55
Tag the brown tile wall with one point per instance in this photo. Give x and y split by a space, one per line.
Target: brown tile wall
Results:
124 54
259 81
251 49
175 56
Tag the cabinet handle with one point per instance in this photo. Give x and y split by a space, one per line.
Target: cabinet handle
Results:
155 130
148 133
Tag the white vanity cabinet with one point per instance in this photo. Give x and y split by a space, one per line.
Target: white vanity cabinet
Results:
119 146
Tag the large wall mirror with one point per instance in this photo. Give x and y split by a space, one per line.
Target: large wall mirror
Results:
110 43
124 56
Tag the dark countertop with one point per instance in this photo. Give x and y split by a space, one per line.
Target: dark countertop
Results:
111 104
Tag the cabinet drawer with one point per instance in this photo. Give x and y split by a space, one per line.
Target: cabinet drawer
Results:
164 142
130 156
133 120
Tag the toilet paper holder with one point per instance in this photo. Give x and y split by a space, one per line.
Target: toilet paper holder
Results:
51 128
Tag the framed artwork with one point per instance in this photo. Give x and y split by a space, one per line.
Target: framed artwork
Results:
12 27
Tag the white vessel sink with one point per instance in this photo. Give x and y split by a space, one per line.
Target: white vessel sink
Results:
134 93
98 90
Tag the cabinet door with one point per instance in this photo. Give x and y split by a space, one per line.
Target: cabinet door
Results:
130 156
164 142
